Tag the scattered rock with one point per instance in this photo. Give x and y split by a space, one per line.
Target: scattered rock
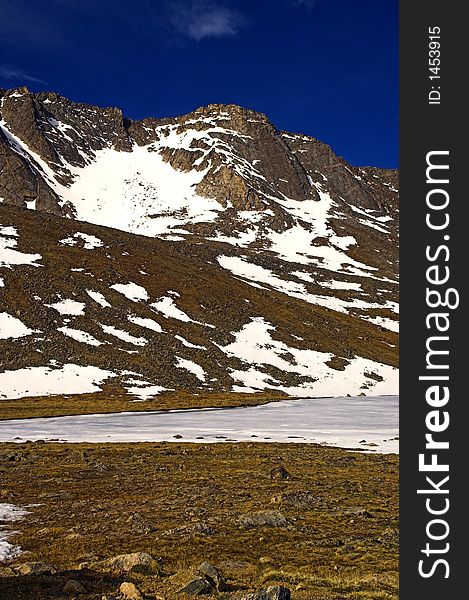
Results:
274 592
213 576
197 587
263 518
357 512
130 591
203 529
301 499
140 525
35 568
279 473
74 587
266 560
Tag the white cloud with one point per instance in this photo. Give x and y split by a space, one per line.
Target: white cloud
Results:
202 19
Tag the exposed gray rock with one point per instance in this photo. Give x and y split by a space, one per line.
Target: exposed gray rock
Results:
213 576
275 592
278 592
197 587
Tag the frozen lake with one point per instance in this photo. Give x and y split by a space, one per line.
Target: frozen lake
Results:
370 423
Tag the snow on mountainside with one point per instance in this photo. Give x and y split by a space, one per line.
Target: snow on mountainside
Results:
262 260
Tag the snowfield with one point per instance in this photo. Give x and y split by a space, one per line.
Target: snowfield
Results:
255 346
149 192
368 423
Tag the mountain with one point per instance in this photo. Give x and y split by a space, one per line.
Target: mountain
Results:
207 252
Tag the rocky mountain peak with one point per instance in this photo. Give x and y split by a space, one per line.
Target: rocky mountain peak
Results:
262 261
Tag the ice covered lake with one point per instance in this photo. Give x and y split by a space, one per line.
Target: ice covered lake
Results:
370 423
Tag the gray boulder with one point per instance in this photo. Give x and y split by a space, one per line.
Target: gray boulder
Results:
213 576
197 587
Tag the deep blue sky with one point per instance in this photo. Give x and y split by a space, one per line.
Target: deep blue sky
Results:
327 68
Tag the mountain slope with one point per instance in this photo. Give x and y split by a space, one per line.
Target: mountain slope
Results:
218 254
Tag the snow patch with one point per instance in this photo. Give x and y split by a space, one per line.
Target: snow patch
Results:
9 513
144 322
255 346
9 256
46 381
192 367
168 308
252 273
68 307
90 241
139 192
132 291
11 327
144 391
8 231
390 324
80 336
124 335
188 344
99 298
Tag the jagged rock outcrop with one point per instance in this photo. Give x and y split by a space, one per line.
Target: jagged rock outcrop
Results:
246 162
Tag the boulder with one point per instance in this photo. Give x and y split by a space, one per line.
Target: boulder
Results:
140 562
73 587
274 592
35 568
129 591
197 587
279 473
213 576
278 592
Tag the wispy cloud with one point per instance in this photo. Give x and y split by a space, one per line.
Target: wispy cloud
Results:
14 74
200 19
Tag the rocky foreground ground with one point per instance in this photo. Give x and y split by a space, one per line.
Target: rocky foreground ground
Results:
168 520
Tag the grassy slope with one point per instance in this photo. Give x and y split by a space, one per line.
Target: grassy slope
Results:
329 549
208 294
83 404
